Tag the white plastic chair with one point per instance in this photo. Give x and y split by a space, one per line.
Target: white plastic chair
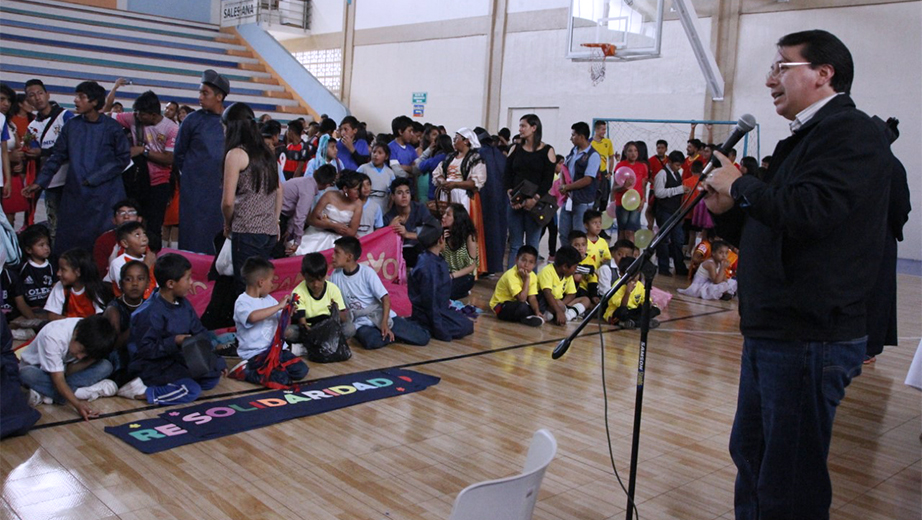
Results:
511 498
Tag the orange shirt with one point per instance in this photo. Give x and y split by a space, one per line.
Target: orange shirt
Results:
690 182
77 305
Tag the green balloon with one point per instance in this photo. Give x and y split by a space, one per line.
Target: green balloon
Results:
630 200
642 238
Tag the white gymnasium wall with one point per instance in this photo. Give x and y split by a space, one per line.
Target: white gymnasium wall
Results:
519 6
374 14
384 78
886 45
327 16
536 74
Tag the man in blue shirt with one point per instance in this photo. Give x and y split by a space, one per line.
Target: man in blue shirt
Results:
583 163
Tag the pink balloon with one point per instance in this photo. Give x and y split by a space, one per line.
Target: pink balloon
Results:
625 177
612 210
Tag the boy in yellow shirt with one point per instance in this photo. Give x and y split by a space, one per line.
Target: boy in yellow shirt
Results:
516 295
318 298
585 277
557 297
625 307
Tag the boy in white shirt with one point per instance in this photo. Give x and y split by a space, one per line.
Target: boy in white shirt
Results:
376 324
256 314
68 362
133 239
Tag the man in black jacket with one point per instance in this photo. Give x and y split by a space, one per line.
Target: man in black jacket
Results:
811 238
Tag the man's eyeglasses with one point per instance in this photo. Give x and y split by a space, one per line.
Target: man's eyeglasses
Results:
779 67
128 213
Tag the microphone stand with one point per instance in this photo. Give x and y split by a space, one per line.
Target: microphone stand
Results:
642 264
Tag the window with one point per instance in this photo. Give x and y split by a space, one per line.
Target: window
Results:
326 65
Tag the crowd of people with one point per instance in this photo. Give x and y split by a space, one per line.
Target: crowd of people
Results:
112 315
119 186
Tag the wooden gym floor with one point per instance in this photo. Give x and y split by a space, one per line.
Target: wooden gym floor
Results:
408 457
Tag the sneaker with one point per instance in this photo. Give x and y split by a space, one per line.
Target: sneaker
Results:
237 371
35 398
132 389
104 388
23 334
227 350
533 321
298 349
548 316
628 324
654 323
571 314
726 296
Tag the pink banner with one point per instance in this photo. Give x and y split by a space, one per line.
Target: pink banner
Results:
381 250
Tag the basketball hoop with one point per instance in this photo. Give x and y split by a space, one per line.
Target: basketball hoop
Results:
599 51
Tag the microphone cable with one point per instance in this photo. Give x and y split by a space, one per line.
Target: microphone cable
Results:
611 453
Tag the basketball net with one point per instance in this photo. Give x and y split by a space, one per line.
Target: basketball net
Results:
598 53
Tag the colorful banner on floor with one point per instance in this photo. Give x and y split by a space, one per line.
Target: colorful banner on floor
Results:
381 250
215 419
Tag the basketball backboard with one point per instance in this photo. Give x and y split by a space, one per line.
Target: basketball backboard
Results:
633 26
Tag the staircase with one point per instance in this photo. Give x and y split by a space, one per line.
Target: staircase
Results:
63 44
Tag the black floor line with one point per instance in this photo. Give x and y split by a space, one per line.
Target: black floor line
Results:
405 365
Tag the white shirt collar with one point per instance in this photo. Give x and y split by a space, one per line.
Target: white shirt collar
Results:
807 114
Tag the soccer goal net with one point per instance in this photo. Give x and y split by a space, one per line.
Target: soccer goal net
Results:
676 133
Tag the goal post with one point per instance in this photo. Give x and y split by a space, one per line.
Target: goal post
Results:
676 132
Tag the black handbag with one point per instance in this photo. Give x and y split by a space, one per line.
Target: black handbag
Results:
198 354
325 341
523 190
544 210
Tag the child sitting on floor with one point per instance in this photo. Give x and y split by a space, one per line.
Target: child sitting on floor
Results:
626 306
711 282
133 240
375 323
31 284
317 299
461 251
133 280
256 315
430 287
516 295
609 272
67 362
79 291
596 247
556 291
158 329
585 277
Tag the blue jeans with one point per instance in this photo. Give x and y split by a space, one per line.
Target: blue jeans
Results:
671 246
405 331
37 379
571 221
245 245
788 394
520 223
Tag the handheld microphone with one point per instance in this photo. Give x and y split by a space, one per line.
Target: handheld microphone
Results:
744 125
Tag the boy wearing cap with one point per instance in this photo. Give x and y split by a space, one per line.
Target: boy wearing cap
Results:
198 155
430 284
